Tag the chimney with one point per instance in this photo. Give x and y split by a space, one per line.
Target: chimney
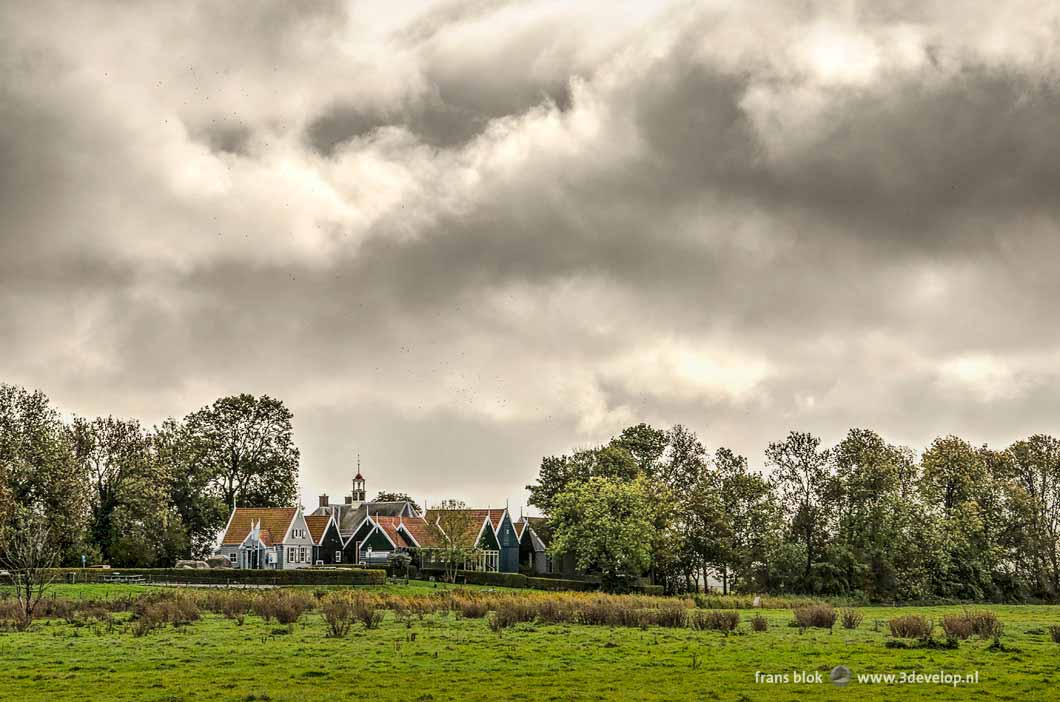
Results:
349 499
323 500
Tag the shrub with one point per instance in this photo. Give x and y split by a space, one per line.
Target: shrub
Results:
286 606
957 626
511 611
149 618
851 618
471 609
365 612
296 576
911 626
338 613
821 616
1054 632
716 620
759 623
984 623
670 614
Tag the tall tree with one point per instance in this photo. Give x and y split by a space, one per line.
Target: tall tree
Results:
560 472
246 446
126 491
1036 474
802 474
956 484
871 494
198 509
607 525
749 517
645 444
38 470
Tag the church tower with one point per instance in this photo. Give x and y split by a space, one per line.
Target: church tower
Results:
359 494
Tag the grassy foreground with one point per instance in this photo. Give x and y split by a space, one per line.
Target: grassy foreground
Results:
446 658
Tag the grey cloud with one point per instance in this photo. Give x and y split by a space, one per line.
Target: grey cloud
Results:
873 252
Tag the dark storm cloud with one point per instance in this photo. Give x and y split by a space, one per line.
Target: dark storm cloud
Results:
459 238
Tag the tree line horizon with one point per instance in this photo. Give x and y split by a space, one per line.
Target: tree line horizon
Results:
863 518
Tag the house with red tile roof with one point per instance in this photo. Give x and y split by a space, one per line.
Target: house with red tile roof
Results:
274 538
488 533
360 531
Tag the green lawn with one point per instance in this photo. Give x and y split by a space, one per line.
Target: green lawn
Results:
444 658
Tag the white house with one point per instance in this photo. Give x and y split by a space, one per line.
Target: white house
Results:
267 538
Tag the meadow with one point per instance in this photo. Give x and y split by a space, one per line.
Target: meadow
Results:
450 651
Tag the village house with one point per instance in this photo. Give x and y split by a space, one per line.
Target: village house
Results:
362 532
275 538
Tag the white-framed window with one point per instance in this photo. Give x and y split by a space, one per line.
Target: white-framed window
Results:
232 556
302 557
290 555
338 556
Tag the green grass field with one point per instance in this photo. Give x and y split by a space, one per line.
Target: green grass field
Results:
446 658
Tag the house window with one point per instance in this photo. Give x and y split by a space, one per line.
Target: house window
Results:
338 556
232 557
290 555
302 555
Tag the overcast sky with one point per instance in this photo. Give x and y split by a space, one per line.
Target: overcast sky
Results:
454 237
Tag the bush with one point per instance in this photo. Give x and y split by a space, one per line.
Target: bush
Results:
471 609
759 623
152 612
561 584
364 611
286 606
851 618
716 620
338 612
511 611
911 626
821 616
984 623
294 576
957 626
671 614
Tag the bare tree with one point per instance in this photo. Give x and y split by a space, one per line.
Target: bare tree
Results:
29 555
458 531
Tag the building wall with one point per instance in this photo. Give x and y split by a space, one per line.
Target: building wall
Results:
329 544
293 548
509 546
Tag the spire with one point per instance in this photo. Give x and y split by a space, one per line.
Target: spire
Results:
359 494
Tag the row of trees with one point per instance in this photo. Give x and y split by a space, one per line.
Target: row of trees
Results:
116 492
863 518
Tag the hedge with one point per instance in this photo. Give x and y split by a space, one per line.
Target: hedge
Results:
233 576
515 580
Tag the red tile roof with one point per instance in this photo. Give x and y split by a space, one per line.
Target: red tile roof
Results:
425 534
390 526
274 524
317 526
468 520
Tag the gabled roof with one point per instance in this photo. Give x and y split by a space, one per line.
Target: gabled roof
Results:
423 533
391 526
318 526
539 530
274 521
475 521
349 517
